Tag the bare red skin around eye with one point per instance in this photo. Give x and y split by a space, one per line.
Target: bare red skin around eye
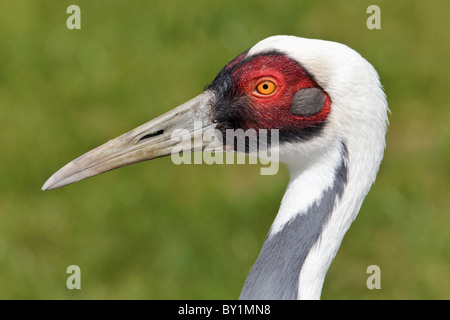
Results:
273 111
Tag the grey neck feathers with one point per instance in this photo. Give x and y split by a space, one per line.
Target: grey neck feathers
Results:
275 275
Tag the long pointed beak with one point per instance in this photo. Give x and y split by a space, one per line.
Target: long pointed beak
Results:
154 139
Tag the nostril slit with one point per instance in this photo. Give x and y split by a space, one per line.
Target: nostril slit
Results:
151 135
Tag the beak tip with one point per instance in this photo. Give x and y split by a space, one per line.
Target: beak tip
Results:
47 185
52 183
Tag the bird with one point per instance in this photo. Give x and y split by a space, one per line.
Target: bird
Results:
330 112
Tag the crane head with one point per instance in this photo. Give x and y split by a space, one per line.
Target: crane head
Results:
300 87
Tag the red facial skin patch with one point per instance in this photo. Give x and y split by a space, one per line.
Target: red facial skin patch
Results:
239 106
273 111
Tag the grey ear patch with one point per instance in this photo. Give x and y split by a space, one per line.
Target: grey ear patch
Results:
307 102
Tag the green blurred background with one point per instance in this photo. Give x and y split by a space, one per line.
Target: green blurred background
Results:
160 231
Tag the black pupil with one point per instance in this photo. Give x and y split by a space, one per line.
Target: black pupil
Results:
265 86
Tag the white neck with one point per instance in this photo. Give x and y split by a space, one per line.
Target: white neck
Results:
329 216
321 201
297 231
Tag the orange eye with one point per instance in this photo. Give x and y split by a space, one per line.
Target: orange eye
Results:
265 87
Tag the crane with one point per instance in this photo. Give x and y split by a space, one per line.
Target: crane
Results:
330 112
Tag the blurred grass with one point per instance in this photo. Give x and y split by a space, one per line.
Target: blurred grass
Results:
159 231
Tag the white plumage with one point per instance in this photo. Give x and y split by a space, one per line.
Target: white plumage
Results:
358 115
